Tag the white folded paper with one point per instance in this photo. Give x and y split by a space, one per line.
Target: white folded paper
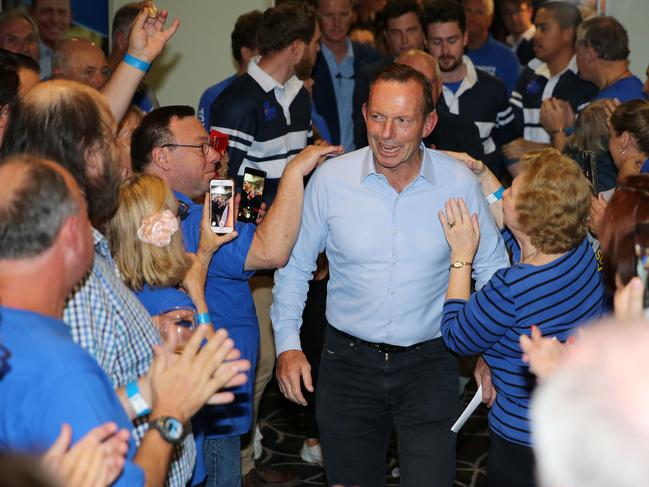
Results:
466 414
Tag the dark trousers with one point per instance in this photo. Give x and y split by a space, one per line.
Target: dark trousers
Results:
311 338
509 464
364 394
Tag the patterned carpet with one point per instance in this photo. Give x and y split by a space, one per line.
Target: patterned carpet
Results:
282 425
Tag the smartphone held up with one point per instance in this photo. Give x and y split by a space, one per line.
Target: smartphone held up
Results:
252 194
222 205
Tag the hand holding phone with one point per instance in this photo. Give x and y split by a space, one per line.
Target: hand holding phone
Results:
222 205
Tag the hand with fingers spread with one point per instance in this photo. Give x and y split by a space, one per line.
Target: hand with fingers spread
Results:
311 156
543 354
182 384
148 36
461 230
95 460
292 370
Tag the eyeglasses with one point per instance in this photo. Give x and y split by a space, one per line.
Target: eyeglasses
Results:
204 147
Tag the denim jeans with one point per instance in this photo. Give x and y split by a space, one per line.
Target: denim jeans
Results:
222 461
363 394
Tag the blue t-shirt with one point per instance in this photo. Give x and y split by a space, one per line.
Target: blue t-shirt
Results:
453 86
624 89
230 304
498 60
51 380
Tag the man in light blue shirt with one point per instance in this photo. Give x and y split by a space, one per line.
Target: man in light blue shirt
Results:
383 365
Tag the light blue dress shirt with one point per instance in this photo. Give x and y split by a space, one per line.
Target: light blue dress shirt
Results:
388 257
342 78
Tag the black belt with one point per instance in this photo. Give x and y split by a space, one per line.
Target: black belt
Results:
380 347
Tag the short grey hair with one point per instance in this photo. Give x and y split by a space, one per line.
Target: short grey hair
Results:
33 211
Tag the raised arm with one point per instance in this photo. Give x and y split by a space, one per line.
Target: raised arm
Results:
276 234
146 41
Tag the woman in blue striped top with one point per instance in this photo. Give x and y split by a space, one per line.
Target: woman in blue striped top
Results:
552 284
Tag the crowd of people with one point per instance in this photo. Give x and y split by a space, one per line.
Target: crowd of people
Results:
430 192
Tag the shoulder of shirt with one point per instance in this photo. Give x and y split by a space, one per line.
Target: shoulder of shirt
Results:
243 90
489 80
344 166
366 54
454 170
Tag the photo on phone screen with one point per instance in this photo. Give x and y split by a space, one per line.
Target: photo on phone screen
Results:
222 205
252 194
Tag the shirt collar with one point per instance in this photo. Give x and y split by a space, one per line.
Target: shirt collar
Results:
267 82
100 242
471 76
525 36
541 69
329 55
426 170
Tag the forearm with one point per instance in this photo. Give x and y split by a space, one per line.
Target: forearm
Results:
154 457
490 184
276 234
558 139
120 88
459 283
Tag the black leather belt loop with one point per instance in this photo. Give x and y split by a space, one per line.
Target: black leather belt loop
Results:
379 347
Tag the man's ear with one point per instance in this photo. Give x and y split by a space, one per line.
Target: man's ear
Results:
159 158
297 49
364 110
94 161
429 124
4 116
466 38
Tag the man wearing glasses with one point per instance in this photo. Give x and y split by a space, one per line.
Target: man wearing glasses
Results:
172 144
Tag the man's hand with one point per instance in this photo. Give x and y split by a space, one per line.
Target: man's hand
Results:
210 241
311 156
182 386
95 460
147 37
482 376
292 369
552 114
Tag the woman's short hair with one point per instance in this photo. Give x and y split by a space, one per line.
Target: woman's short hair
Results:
628 207
553 201
140 263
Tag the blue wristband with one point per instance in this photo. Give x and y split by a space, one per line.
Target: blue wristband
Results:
204 319
137 63
495 196
140 406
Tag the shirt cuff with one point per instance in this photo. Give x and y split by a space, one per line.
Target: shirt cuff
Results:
287 337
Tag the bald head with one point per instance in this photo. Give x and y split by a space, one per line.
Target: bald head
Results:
71 124
80 60
426 65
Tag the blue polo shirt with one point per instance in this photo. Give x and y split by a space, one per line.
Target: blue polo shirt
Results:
624 89
51 380
498 60
231 307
